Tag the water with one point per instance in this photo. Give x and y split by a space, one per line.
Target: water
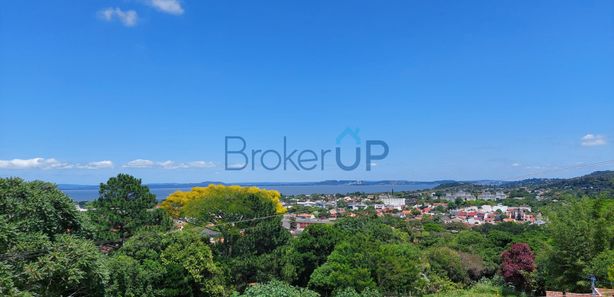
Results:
162 193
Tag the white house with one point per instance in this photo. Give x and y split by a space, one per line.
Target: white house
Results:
392 201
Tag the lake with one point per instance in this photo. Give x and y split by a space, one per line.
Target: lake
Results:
162 193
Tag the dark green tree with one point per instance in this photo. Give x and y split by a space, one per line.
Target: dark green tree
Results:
154 263
34 207
123 206
72 267
308 251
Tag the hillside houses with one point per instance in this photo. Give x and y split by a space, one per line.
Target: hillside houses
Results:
466 196
486 195
487 214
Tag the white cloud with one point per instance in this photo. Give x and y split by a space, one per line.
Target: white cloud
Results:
168 6
141 163
51 163
237 165
171 165
96 165
593 140
128 18
201 164
515 164
34 163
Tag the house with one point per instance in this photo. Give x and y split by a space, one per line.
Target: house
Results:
357 206
460 194
304 216
298 223
392 202
212 235
306 203
301 224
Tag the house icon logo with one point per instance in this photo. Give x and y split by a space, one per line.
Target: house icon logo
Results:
351 133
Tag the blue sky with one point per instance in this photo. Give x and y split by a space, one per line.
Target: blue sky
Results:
458 89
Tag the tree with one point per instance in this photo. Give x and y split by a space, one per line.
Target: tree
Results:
34 207
72 267
175 204
191 260
350 292
447 262
474 265
516 264
579 231
602 267
478 254
277 289
346 267
398 269
236 211
39 252
439 209
308 251
354 261
153 263
123 206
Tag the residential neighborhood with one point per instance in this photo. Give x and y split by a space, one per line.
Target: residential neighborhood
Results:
325 209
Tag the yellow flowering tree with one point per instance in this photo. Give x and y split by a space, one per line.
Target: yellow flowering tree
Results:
248 218
175 204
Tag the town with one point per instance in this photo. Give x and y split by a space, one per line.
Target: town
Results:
489 206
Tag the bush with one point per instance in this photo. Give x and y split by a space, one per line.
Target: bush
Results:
277 289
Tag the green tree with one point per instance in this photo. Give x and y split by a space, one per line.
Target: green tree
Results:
38 254
123 206
579 230
354 261
308 251
34 207
350 292
446 262
277 289
153 263
600 267
72 267
346 267
398 269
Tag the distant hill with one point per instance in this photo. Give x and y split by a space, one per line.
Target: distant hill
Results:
596 182
593 183
532 182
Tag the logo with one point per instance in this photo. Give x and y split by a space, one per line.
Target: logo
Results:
288 158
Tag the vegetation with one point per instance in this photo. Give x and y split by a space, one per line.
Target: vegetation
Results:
229 241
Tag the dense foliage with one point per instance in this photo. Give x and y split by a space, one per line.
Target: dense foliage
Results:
229 241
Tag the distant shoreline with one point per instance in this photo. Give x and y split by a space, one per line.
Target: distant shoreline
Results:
91 192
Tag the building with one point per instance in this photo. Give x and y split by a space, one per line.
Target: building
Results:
490 196
357 206
297 223
391 201
460 194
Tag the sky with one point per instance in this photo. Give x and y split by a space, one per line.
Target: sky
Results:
459 90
